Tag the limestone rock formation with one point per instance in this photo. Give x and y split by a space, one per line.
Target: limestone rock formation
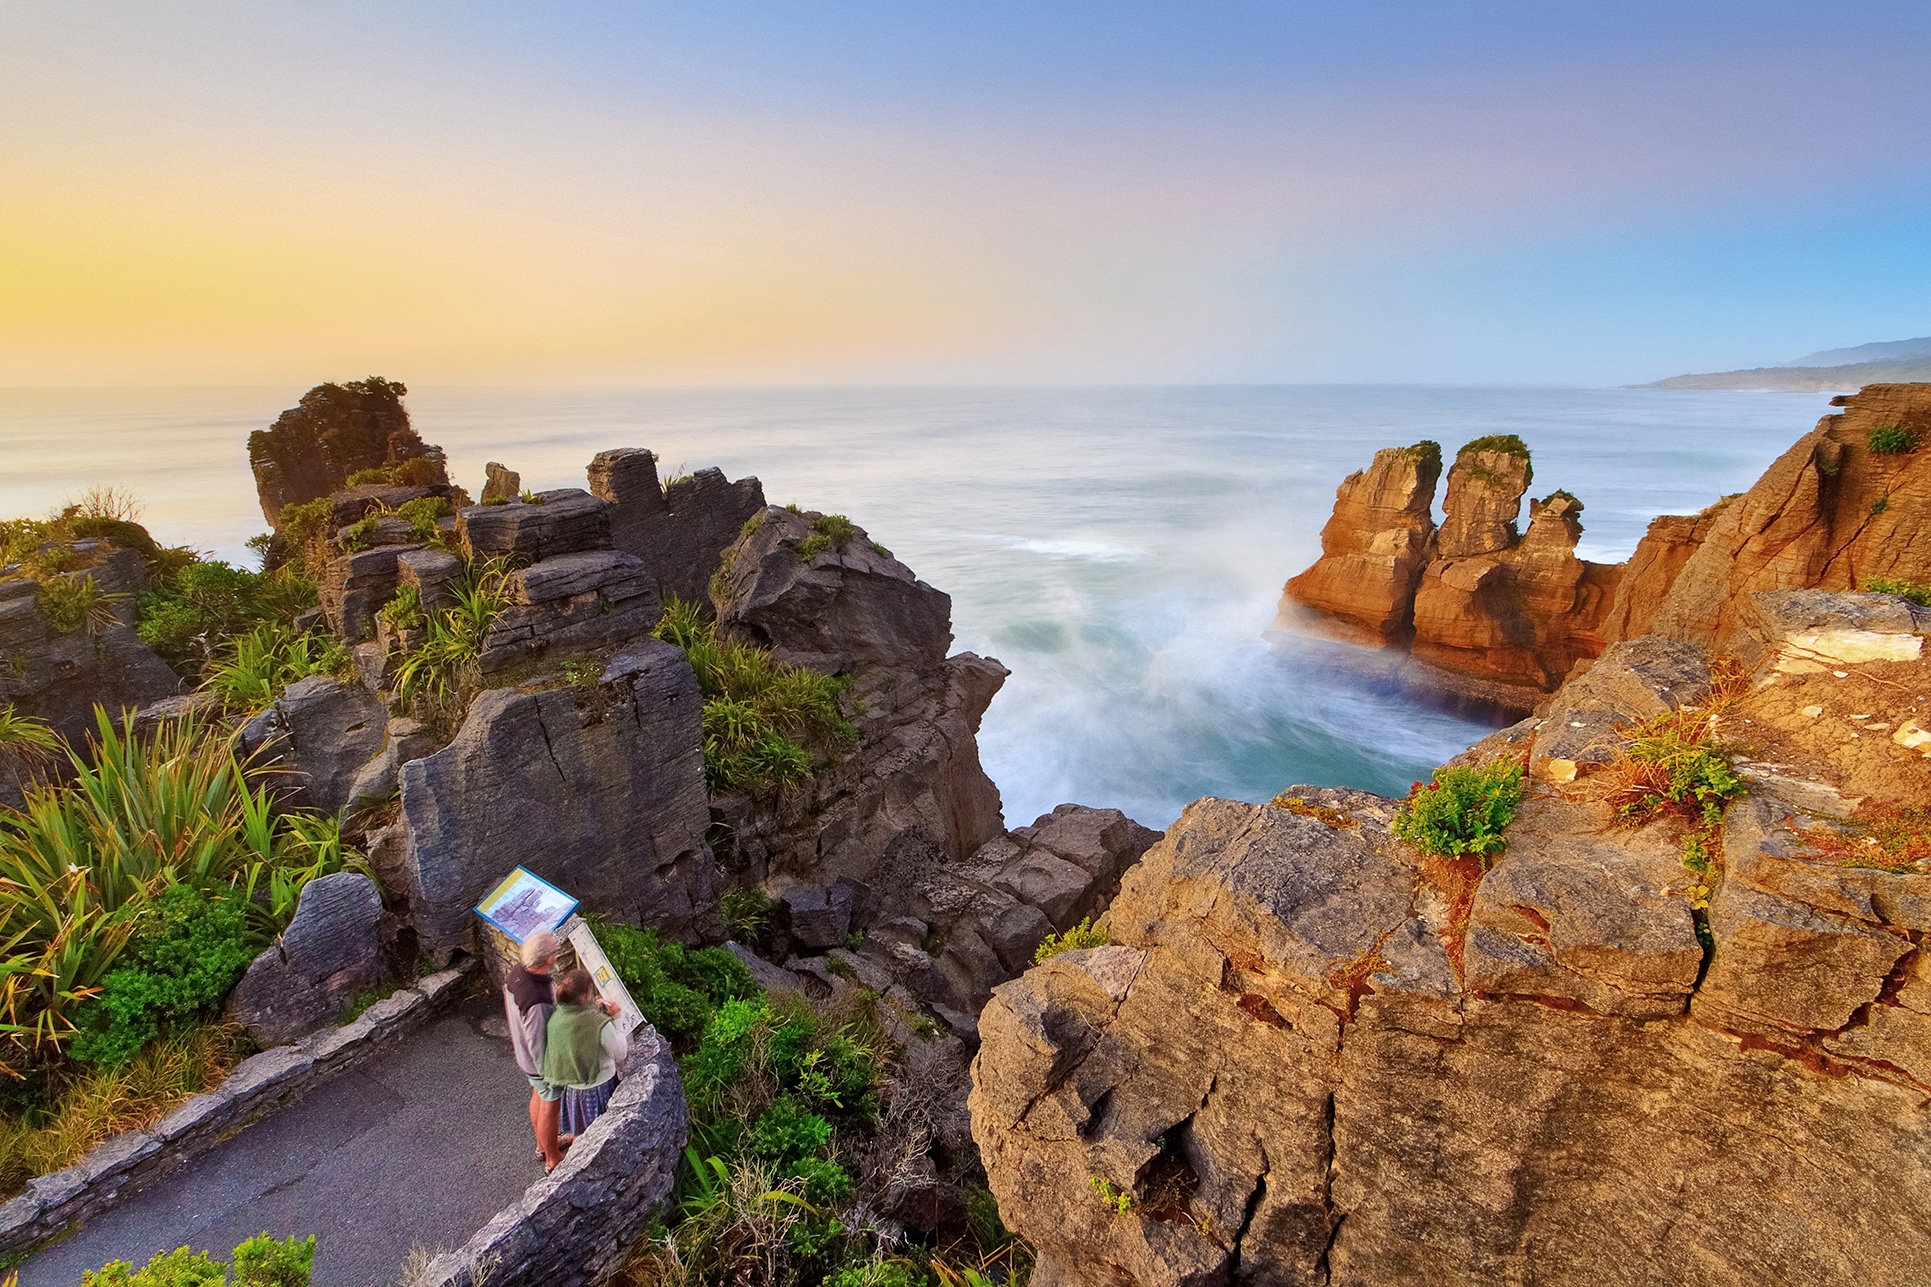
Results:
1313 1057
315 969
335 431
914 776
1831 514
319 734
501 484
1485 612
1485 488
602 792
1375 545
571 603
680 531
60 676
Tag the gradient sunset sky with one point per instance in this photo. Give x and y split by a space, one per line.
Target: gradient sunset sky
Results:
932 193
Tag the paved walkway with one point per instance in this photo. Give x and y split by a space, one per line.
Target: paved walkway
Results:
420 1147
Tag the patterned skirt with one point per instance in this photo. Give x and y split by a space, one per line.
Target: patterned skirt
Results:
582 1107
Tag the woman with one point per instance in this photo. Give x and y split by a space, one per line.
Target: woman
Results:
529 998
583 1049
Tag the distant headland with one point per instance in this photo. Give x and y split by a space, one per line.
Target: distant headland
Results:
1831 371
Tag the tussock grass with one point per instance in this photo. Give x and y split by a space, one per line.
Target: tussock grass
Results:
104 1102
759 714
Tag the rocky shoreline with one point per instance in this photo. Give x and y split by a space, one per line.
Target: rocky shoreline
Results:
1659 1038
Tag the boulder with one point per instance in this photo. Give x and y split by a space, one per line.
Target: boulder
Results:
1800 632
848 605
501 484
335 431
565 521
320 732
1374 545
1631 682
602 795
329 955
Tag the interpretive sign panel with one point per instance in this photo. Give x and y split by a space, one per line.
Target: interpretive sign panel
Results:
525 903
590 956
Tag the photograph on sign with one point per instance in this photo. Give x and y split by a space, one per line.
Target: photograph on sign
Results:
590 956
525 903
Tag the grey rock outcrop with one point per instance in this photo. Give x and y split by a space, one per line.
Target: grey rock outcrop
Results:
335 431
571 603
602 792
501 484
680 531
321 731
847 606
61 676
315 969
564 521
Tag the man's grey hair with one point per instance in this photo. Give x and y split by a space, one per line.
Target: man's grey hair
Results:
540 948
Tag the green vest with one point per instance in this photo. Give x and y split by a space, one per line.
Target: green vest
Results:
573 1055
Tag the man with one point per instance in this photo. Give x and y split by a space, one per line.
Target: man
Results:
528 998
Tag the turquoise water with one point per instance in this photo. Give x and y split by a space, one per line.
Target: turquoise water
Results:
1120 549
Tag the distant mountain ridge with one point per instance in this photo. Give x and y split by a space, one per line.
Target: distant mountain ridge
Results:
1830 371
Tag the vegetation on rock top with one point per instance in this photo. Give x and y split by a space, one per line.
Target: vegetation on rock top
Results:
1462 811
759 714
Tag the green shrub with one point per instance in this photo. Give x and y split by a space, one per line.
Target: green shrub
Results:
1083 935
444 663
1916 593
1463 810
677 988
403 611
421 515
1893 440
756 710
256 666
208 603
787 1132
828 531
70 602
1673 764
1121 1200
1427 455
261 1261
188 951
748 912
83 858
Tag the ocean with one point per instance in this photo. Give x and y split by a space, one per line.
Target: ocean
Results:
1121 550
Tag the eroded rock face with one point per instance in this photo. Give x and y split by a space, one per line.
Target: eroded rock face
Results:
849 605
1486 613
319 733
1485 488
1375 544
61 676
1280 1065
336 430
1814 520
571 603
329 955
681 531
602 793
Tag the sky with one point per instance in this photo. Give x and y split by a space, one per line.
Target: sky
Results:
837 193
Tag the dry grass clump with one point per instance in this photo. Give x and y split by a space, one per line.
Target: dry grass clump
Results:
1319 812
105 1102
1888 837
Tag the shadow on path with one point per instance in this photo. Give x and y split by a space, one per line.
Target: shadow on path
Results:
423 1145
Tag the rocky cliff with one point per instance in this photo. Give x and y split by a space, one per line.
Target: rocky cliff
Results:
1505 618
1314 1055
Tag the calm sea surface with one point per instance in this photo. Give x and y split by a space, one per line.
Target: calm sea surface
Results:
1120 549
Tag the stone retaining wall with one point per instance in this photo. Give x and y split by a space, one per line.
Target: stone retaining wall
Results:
573 1227
259 1086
